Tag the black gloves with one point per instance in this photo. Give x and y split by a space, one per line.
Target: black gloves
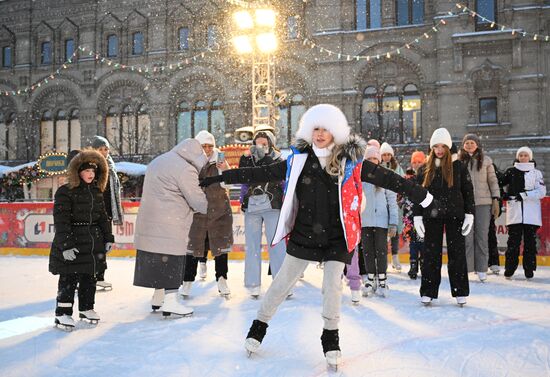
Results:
205 182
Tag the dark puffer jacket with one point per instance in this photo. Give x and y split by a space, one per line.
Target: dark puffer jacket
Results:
273 188
80 219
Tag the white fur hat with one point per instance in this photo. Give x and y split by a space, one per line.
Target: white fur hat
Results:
386 148
324 116
205 137
441 136
526 150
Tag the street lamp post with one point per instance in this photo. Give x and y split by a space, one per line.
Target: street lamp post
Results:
257 37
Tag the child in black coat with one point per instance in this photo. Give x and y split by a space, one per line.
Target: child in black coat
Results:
82 238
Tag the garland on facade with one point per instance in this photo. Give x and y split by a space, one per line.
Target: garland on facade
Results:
502 27
111 63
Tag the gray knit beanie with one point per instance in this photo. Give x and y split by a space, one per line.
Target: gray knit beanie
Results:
100 141
472 137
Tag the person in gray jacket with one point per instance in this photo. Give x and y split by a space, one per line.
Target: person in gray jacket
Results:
171 194
378 221
486 195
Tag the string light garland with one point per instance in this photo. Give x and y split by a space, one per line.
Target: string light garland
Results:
499 26
86 52
387 54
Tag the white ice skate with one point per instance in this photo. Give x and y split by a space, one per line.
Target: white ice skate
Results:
223 288
383 290
251 345
461 300
334 359
90 316
426 300
482 276
173 306
395 262
254 292
158 299
185 289
202 270
65 322
494 269
104 286
355 297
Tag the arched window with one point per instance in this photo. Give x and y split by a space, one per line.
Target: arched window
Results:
112 46
183 130
47 132
74 130
488 10
409 12
128 131
183 38
217 122
69 48
46 53
202 116
290 113
394 115
8 137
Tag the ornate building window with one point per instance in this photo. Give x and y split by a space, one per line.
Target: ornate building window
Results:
69 48
212 37
183 38
8 136
46 53
488 110
59 131
292 31
128 130
112 46
137 43
7 57
290 113
409 12
368 14
488 10
202 116
392 114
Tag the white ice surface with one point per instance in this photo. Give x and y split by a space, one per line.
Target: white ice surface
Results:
504 330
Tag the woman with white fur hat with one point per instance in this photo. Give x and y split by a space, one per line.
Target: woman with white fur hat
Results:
449 181
390 162
524 190
320 215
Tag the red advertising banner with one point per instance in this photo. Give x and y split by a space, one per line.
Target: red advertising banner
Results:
28 229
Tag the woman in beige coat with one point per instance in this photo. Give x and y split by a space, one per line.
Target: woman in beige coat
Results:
171 194
486 195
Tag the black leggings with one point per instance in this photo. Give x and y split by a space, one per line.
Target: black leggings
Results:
65 293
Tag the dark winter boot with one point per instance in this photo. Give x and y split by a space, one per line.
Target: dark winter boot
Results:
331 347
413 271
255 336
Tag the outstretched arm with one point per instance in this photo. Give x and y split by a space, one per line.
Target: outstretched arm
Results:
385 178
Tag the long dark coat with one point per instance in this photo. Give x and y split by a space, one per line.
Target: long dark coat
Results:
80 219
217 223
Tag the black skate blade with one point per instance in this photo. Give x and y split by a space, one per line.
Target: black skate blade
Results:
154 308
168 315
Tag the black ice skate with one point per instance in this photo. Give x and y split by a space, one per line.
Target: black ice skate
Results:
90 316
255 336
331 348
64 322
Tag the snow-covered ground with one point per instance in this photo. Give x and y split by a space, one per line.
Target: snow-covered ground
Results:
503 331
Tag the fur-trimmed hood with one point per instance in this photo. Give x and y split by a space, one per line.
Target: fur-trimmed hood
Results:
353 149
93 156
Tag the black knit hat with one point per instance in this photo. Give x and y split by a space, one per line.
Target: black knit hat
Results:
87 165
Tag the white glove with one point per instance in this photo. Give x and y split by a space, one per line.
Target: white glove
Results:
70 254
108 246
468 224
427 200
419 226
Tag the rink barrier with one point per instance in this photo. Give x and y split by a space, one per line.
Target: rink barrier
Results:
27 229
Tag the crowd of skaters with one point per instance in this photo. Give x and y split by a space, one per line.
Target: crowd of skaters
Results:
337 200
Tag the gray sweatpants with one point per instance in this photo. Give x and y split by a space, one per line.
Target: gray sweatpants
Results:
288 275
477 242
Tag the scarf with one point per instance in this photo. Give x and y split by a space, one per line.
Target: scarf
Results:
323 154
